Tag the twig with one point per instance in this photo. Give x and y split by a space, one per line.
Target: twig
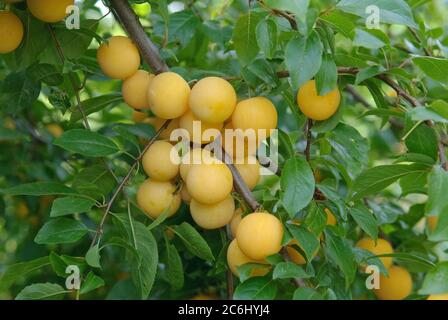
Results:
125 180
357 96
417 38
308 140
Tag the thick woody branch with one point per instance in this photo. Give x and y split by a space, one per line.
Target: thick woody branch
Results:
135 30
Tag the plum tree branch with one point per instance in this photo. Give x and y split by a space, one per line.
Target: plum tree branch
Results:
133 27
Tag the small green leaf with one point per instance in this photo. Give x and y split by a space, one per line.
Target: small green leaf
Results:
93 256
244 37
307 294
297 185
193 241
365 220
257 288
70 205
436 280
19 270
91 282
42 291
39 189
287 270
61 230
303 58
87 143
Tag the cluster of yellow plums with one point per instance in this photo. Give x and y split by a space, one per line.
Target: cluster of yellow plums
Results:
11 27
398 284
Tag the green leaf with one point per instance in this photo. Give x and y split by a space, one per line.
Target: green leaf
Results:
423 139
256 288
339 251
46 73
143 266
267 37
70 205
287 270
244 37
303 58
175 272
340 22
414 183
365 257
298 7
61 230
42 291
367 73
327 77
91 282
193 241
182 26
37 39
365 220
307 240
307 294
39 189
437 204
19 270
367 40
93 256
391 11
17 92
436 280
95 104
94 181
376 179
435 68
297 185
87 143
437 111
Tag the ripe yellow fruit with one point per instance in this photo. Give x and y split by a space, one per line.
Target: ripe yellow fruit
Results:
395 287
317 107
443 296
249 171
235 222
255 113
212 100
236 258
381 247
55 130
118 58
161 161
168 95
49 10
209 183
11 32
259 235
138 116
194 157
331 219
237 144
432 222
187 122
212 216
157 123
135 89
185 195
156 197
